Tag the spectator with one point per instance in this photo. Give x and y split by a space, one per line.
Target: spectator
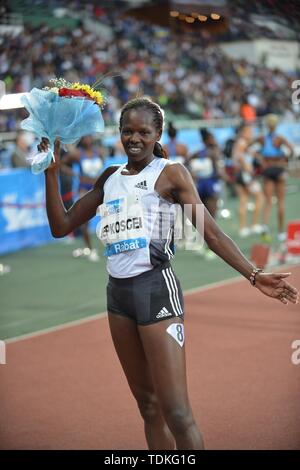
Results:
21 151
247 112
190 75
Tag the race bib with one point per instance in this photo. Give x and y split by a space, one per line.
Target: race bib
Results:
121 226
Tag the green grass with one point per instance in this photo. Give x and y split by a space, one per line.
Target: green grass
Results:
47 287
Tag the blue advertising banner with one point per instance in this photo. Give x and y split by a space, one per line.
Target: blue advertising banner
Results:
23 219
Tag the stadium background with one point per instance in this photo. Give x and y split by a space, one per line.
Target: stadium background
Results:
200 72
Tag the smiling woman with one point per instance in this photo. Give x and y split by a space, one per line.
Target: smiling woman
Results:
137 135
144 297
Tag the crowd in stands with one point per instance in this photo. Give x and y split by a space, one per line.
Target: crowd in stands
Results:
188 76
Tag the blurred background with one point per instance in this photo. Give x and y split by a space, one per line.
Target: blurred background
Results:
213 66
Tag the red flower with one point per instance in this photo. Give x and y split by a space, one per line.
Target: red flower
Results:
69 93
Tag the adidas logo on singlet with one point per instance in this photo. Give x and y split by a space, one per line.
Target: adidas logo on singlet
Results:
163 313
142 185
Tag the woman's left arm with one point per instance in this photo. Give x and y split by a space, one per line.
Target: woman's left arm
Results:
184 192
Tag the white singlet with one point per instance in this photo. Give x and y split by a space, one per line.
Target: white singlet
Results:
136 224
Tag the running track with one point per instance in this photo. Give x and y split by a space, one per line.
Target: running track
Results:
65 389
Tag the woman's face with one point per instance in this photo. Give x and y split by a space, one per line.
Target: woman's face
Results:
138 134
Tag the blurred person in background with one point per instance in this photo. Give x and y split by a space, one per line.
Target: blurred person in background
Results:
21 152
69 155
246 183
273 156
67 174
229 166
247 111
205 167
89 160
175 150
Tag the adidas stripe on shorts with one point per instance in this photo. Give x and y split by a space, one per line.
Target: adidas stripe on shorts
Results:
150 297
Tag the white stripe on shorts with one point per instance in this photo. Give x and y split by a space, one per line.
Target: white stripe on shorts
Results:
176 290
171 292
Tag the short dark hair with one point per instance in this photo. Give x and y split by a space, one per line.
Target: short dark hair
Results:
172 131
158 118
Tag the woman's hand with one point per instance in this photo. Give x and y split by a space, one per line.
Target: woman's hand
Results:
274 285
44 147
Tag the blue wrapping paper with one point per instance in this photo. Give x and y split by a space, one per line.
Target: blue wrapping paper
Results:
53 116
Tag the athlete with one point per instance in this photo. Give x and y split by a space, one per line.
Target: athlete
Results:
274 171
89 161
205 167
246 182
144 298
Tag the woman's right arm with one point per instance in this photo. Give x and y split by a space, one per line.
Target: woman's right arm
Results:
64 221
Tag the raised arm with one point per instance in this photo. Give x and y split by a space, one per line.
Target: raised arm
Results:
64 221
182 190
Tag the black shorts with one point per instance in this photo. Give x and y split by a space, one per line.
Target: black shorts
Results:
243 178
147 298
274 173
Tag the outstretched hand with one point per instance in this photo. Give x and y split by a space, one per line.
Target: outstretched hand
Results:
44 147
274 285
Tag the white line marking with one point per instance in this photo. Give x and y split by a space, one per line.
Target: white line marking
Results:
52 329
101 315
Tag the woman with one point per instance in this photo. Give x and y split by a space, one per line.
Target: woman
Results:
205 167
144 298
246 184
206 171
89 160
274 172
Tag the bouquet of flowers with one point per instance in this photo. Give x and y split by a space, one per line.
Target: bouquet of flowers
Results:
65 110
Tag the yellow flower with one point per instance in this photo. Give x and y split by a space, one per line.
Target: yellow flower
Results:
95 95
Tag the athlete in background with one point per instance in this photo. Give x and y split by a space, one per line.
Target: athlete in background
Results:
88 159
273 156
